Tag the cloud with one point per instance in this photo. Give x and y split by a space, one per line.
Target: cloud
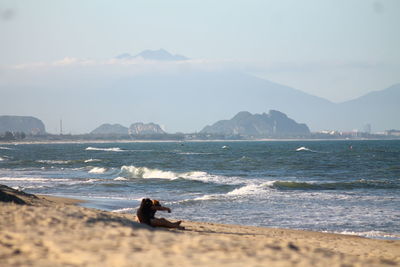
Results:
116 68
204 64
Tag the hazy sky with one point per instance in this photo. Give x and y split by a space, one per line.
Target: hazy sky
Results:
339 49
336 49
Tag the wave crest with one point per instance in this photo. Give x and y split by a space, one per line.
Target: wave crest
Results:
144 172
112 149
133 172
303 148
92 160
148 173
98 170
49 161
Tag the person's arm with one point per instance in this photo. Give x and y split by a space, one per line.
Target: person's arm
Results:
161 208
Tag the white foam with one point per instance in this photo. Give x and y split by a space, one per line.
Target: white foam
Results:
246 190
250 189
210 178
22 188
306 149
133 172
98 170
2 159
92 180
146 173
303 148
209 197
28 179
54 161
371 234
120 179
32 179
5 148
92 160
112 149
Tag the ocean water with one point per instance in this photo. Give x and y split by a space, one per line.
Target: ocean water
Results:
350 187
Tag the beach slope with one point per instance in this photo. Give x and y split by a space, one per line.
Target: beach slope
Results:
48 231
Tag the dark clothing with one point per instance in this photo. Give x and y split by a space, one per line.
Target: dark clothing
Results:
146 212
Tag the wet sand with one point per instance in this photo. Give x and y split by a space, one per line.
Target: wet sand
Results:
52 231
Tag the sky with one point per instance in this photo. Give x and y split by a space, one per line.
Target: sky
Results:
335 49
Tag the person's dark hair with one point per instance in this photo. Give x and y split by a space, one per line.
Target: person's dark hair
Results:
146 202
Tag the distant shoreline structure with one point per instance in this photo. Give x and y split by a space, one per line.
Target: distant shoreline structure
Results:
244 126
96 141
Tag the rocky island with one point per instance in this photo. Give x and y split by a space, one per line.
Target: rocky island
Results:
26 124
273 124
138 128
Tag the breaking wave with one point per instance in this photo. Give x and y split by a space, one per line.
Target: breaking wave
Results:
133 172
98 170
254 189
54 161
92 160
5 148
112 149
250 189
303 148
33 179
121 179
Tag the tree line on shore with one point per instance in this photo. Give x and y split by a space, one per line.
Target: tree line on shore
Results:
11 136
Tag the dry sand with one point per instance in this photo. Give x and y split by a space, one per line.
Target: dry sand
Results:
48 231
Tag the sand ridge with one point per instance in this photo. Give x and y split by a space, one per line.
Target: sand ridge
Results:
50 232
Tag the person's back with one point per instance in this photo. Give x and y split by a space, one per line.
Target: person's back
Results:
145 212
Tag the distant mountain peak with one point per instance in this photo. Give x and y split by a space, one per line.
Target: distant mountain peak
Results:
158 55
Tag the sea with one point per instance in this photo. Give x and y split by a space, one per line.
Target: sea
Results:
348 187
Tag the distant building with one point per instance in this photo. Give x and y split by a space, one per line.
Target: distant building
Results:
392 132
367 128
330 132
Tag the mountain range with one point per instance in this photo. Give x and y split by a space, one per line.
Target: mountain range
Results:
185 99
193 99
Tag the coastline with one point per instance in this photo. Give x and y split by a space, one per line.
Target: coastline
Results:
53 231
33 142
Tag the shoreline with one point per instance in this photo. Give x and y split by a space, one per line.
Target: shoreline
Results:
55 231
81 202
61 200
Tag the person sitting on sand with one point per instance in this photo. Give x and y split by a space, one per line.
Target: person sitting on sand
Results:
148 209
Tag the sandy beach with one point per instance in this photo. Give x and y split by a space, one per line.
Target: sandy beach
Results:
53 231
